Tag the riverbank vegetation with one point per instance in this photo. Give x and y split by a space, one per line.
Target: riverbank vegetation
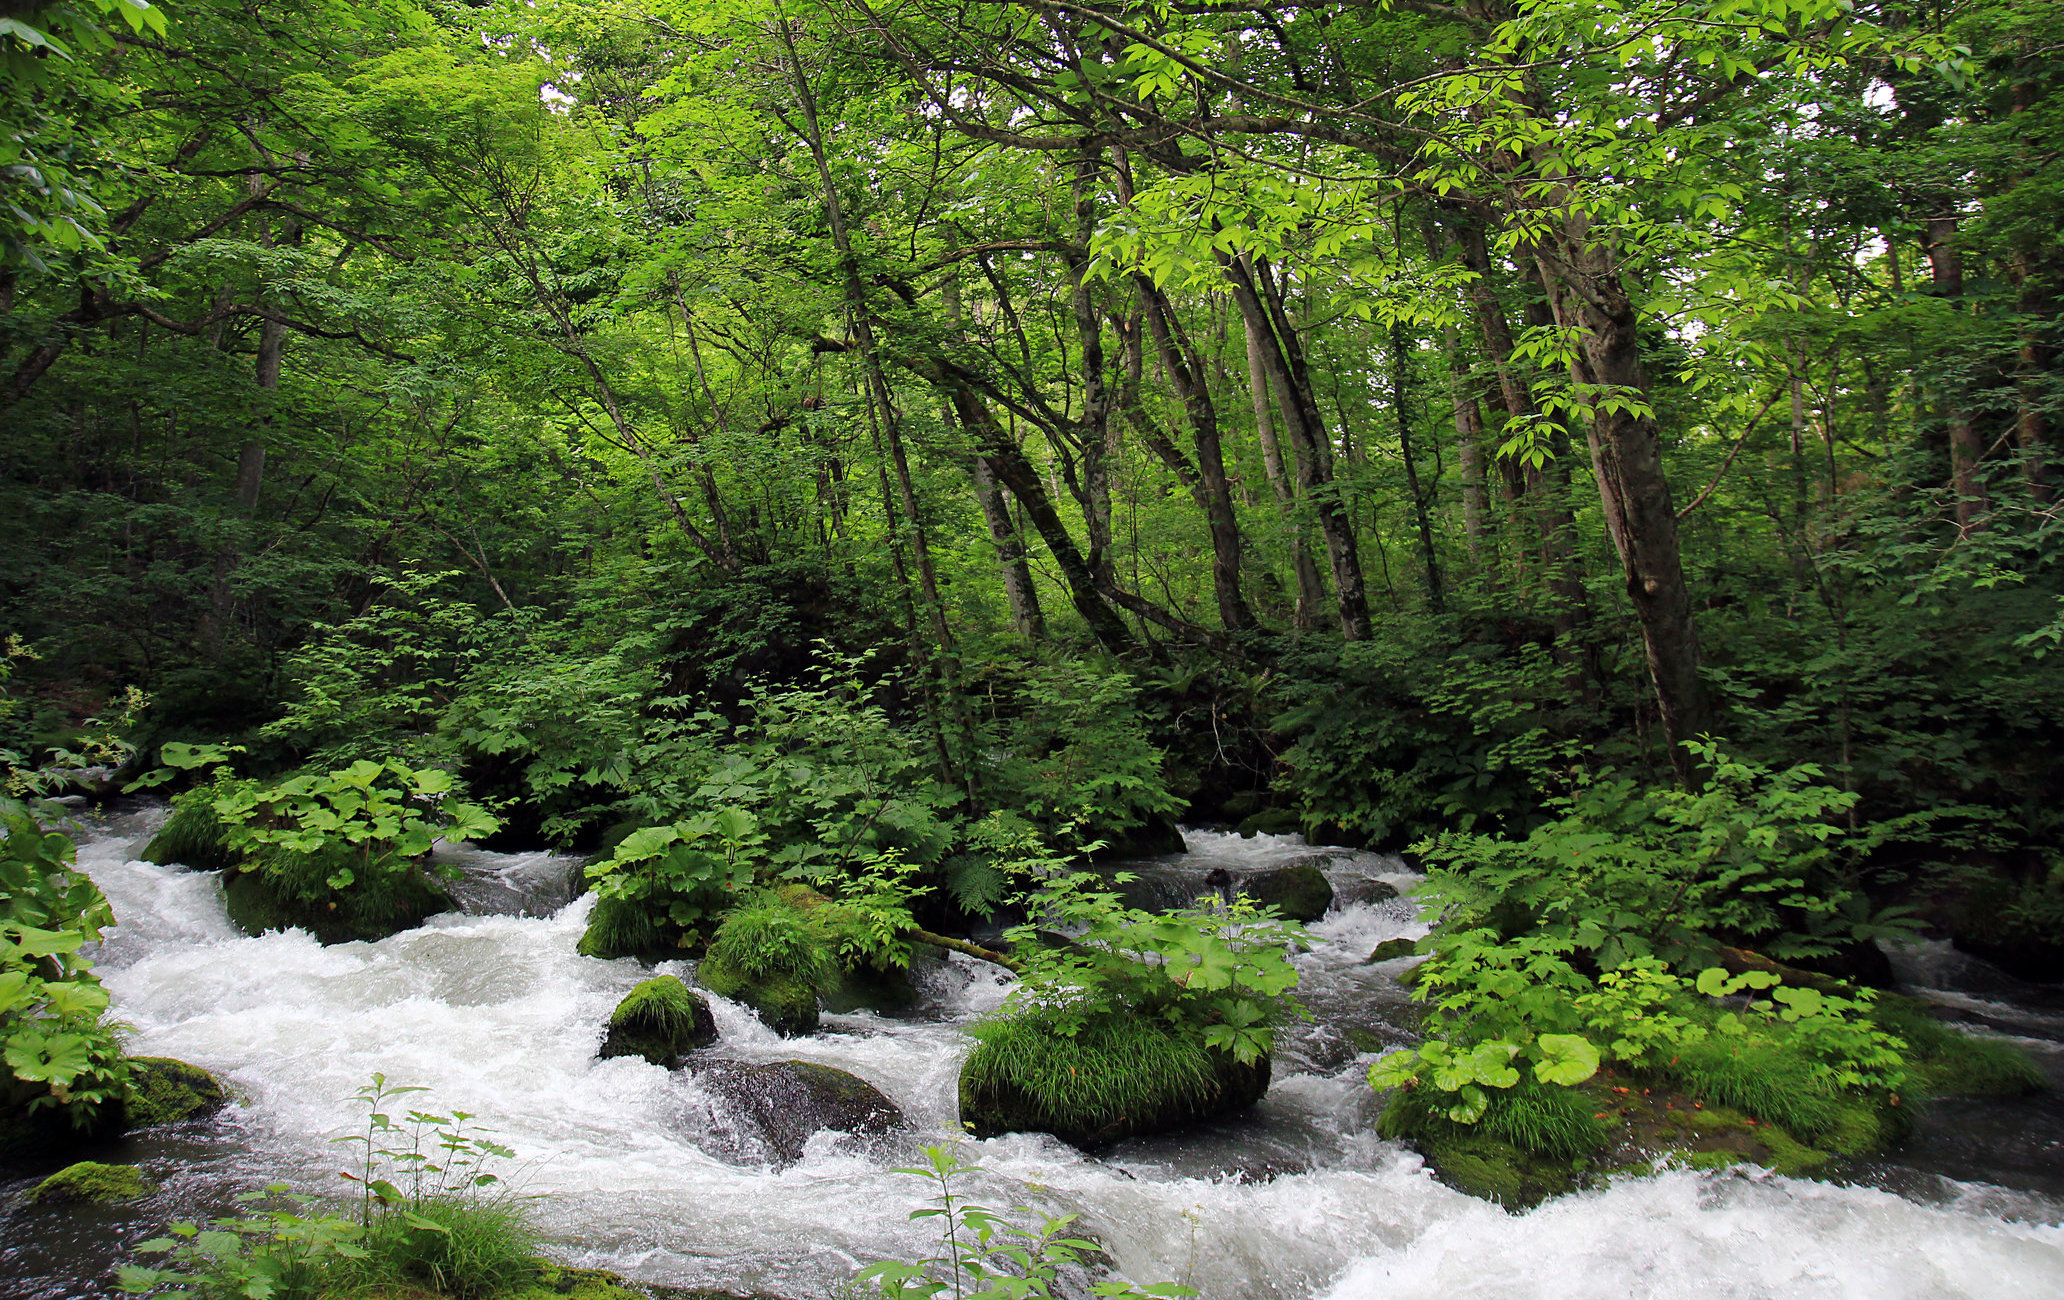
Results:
818 457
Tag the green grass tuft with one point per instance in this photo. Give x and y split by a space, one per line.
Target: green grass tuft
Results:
192 836
1116 1066
1763 1078
620 928
1952 1063
486 1248
770 938
1535 1118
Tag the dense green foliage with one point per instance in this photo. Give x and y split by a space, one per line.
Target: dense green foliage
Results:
824 458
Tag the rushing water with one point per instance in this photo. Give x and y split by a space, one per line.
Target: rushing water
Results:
643 1171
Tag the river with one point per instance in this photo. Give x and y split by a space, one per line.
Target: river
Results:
645 1172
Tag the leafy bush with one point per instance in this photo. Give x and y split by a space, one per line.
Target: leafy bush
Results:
58 1050
282 1248
1076 759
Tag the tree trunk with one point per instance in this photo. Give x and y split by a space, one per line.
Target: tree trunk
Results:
1626 453
1311 594
1966 445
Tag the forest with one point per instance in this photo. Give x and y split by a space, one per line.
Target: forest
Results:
870 483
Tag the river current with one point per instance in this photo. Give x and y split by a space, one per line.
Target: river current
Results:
645 1172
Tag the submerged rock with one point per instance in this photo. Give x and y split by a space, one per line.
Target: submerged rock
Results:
787 1003
661 1020
787 1101
1114 1078
165 1091
1299 890
91 1181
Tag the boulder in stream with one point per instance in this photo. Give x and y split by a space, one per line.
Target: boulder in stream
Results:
256 907
93 1182
165 1091
786 1002
1299 890
787 1101
1116 1077
661 1020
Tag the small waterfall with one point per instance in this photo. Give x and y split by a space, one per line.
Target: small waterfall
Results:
497 1015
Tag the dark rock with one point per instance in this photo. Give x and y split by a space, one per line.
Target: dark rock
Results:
93 1182
866 987
165 1091
50 1130
1300 891
1375 891
787 1101
1158 838
1218 878
1392 949
661 1020
785 1002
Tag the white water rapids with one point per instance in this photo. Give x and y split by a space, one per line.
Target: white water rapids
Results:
497 1015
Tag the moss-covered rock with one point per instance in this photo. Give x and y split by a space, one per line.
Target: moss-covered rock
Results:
1117 1077
661 1020
1299 890
786 1002
787 1101
618 927
1272 821
165 1091
864 986
92 1181
256 906
1391 950
556 1279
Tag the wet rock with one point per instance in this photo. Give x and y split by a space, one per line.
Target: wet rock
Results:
661 1020
1159 837
1392 949
1272 821
165 1091
1299 890
787 1101
863 986
91 1181
787 1003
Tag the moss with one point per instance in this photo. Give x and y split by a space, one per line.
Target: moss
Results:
1498 1171
287 894
1392 949
1114 1078
1540 1121
1952 1063
91 1181
786 1003
165 1091
554 1279
863 986
660 1020
192 836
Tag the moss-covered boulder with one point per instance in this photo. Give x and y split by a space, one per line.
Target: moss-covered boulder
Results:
165 1091
785 1001
1299 890
1117 1077
618 927
1391 950
1272 821
661 1020
257 906
785 1102
91 1181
